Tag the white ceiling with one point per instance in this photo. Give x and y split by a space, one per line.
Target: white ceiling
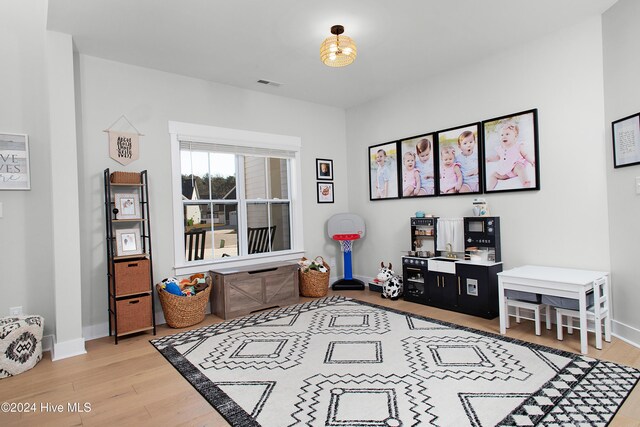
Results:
238 42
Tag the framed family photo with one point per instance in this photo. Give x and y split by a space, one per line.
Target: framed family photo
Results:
626 141
458 156
511 152
383 171
128 206
325 192
128 242
324 169
417 166
14 162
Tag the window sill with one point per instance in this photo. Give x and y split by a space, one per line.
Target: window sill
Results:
206 265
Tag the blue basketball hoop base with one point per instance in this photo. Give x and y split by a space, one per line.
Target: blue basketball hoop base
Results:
348 283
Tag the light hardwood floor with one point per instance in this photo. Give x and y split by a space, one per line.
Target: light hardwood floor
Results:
132 383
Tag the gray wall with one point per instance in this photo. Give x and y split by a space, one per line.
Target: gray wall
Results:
26 238
150 99
560 225
622 98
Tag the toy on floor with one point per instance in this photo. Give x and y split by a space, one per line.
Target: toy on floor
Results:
391 282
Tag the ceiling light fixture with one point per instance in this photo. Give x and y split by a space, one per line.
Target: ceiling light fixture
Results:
337 51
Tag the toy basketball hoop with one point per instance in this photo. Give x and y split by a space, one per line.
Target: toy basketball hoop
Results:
346 228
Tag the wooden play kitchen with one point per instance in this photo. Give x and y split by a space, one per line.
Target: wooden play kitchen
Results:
467 285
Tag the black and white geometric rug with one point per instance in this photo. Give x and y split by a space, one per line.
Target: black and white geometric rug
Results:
341 362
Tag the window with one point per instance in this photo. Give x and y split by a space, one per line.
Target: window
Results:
236 196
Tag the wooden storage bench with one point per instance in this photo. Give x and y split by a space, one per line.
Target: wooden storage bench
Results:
244 290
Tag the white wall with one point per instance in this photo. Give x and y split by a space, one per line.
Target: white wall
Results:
26 239
563 224
149 99
622 98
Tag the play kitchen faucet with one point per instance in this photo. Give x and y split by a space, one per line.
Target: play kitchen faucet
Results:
450 253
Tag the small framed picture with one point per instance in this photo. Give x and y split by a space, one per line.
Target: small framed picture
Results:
458 155
511 152
14 162
417 166
383 171
626 141
325 192
324 169
128 242
128 206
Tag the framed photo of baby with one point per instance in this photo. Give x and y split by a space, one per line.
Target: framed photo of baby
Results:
459 167
416 166
511 152
383 171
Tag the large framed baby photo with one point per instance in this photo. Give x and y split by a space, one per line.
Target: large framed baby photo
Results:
511 152
383 171
417 170
458 160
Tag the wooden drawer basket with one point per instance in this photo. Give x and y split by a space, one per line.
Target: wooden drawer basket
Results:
132 277
125 178
134 314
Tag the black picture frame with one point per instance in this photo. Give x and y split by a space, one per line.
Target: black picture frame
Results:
507 168
626 141
383 177
324 169
459 160
325 192
422 149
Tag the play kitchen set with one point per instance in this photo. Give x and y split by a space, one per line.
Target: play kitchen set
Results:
454 275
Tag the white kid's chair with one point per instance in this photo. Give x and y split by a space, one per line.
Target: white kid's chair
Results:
597 313
528 301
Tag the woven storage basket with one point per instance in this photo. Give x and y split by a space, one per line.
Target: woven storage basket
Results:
125 177
180 312
314 283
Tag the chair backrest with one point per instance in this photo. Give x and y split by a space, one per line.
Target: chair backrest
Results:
600 303
194 243
260 239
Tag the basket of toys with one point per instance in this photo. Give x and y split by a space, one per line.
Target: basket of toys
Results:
184 302
314 277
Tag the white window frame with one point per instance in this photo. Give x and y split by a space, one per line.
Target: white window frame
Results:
180 131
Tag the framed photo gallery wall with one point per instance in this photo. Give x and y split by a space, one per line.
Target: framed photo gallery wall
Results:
496 155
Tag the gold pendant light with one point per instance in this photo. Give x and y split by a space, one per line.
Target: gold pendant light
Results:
336 50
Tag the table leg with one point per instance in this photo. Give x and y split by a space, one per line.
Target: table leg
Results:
583 322
501 307
607 305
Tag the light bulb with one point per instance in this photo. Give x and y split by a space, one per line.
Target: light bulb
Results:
347 51
332 56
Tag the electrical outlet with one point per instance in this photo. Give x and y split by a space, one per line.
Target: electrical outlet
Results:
637 184
332 262
15 311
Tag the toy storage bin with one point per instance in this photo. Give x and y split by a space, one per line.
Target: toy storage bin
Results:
313 283
183 311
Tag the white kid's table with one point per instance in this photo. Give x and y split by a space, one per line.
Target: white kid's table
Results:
561 282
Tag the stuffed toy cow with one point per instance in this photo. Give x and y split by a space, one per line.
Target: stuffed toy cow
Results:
390 282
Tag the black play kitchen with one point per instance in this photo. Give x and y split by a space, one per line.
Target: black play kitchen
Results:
453 277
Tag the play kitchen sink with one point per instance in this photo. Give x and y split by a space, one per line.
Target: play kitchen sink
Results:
442 264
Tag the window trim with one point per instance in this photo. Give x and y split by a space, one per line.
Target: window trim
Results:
216 135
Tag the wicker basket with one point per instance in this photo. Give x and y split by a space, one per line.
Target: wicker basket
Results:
314 283
125 178
180 312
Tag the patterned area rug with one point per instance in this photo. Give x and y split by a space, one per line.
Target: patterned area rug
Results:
341 362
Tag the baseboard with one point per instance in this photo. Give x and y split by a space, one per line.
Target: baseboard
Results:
101 330
66 349
626 333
